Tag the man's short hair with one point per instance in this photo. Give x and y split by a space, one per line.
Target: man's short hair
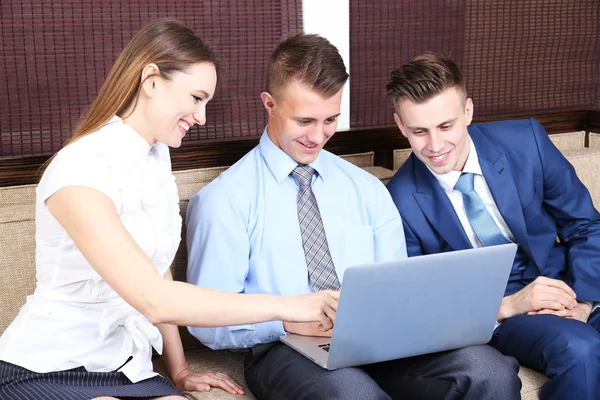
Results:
424 77
310 59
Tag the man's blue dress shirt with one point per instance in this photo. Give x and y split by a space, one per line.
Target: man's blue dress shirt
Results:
243 234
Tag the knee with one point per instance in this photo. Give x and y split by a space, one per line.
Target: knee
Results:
351 392
502 376
490 373
577 348
349 384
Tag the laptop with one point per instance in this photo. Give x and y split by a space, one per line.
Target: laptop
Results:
413 306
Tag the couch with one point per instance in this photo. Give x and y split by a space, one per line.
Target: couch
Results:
17 254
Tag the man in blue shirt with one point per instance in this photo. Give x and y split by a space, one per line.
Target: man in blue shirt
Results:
288 219
494 183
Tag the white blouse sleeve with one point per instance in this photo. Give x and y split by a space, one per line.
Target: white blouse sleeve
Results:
75 168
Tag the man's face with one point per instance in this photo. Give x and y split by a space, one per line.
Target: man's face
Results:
301 121
437 129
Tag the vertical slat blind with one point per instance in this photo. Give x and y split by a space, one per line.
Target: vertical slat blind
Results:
519 57
55 55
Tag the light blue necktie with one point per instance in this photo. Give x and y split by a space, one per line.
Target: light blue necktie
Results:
481 220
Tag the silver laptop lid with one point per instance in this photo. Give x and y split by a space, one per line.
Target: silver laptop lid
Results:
419 305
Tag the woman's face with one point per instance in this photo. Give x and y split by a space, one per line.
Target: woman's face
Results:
177 104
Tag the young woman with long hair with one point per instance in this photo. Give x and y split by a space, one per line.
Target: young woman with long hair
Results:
107 230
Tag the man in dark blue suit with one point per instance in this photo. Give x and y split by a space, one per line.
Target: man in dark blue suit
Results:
494 183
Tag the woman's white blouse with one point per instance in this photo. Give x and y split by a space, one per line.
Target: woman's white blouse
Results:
74 318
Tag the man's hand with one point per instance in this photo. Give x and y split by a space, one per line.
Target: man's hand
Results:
581 312
306 329
541 294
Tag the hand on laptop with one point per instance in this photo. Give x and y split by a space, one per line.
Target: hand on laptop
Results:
307 329
541 294
318 308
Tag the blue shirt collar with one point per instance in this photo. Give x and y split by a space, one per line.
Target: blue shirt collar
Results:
281 165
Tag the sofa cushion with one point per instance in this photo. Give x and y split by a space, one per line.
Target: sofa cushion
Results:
400 156
17 241
17 263
17 203
191 180
532 382
568 141
383 174
594 142
587 162
361 160
14 195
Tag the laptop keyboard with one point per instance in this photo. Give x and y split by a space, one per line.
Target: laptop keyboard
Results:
325 346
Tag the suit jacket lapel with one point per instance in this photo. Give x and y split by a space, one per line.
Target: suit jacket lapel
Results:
499 179
437 207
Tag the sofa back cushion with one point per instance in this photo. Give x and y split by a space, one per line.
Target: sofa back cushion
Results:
17 254
587 164
594 140
568 141
400 156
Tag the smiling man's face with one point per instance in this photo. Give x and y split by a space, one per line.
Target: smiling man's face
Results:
301 121
437 129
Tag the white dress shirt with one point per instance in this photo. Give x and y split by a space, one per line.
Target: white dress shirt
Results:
448 180
75 318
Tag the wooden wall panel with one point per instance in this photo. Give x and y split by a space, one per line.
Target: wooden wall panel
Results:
212 153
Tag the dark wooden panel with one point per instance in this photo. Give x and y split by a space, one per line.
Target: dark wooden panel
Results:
592 121
212 153
557 122
21 170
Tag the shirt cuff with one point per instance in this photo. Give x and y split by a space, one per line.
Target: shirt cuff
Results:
268 332
589 303
593 304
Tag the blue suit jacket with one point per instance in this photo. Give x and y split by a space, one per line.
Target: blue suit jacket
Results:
535 189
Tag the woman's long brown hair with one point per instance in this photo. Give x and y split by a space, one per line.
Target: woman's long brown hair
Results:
168 44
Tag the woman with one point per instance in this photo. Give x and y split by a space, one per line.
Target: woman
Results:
107 229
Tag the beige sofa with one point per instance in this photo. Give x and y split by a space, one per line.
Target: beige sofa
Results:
17 252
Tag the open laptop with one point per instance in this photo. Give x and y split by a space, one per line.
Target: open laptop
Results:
413 306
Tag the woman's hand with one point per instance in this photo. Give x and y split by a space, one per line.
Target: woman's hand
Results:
203 381
306 329
319 307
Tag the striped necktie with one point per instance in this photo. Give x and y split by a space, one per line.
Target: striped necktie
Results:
321 270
